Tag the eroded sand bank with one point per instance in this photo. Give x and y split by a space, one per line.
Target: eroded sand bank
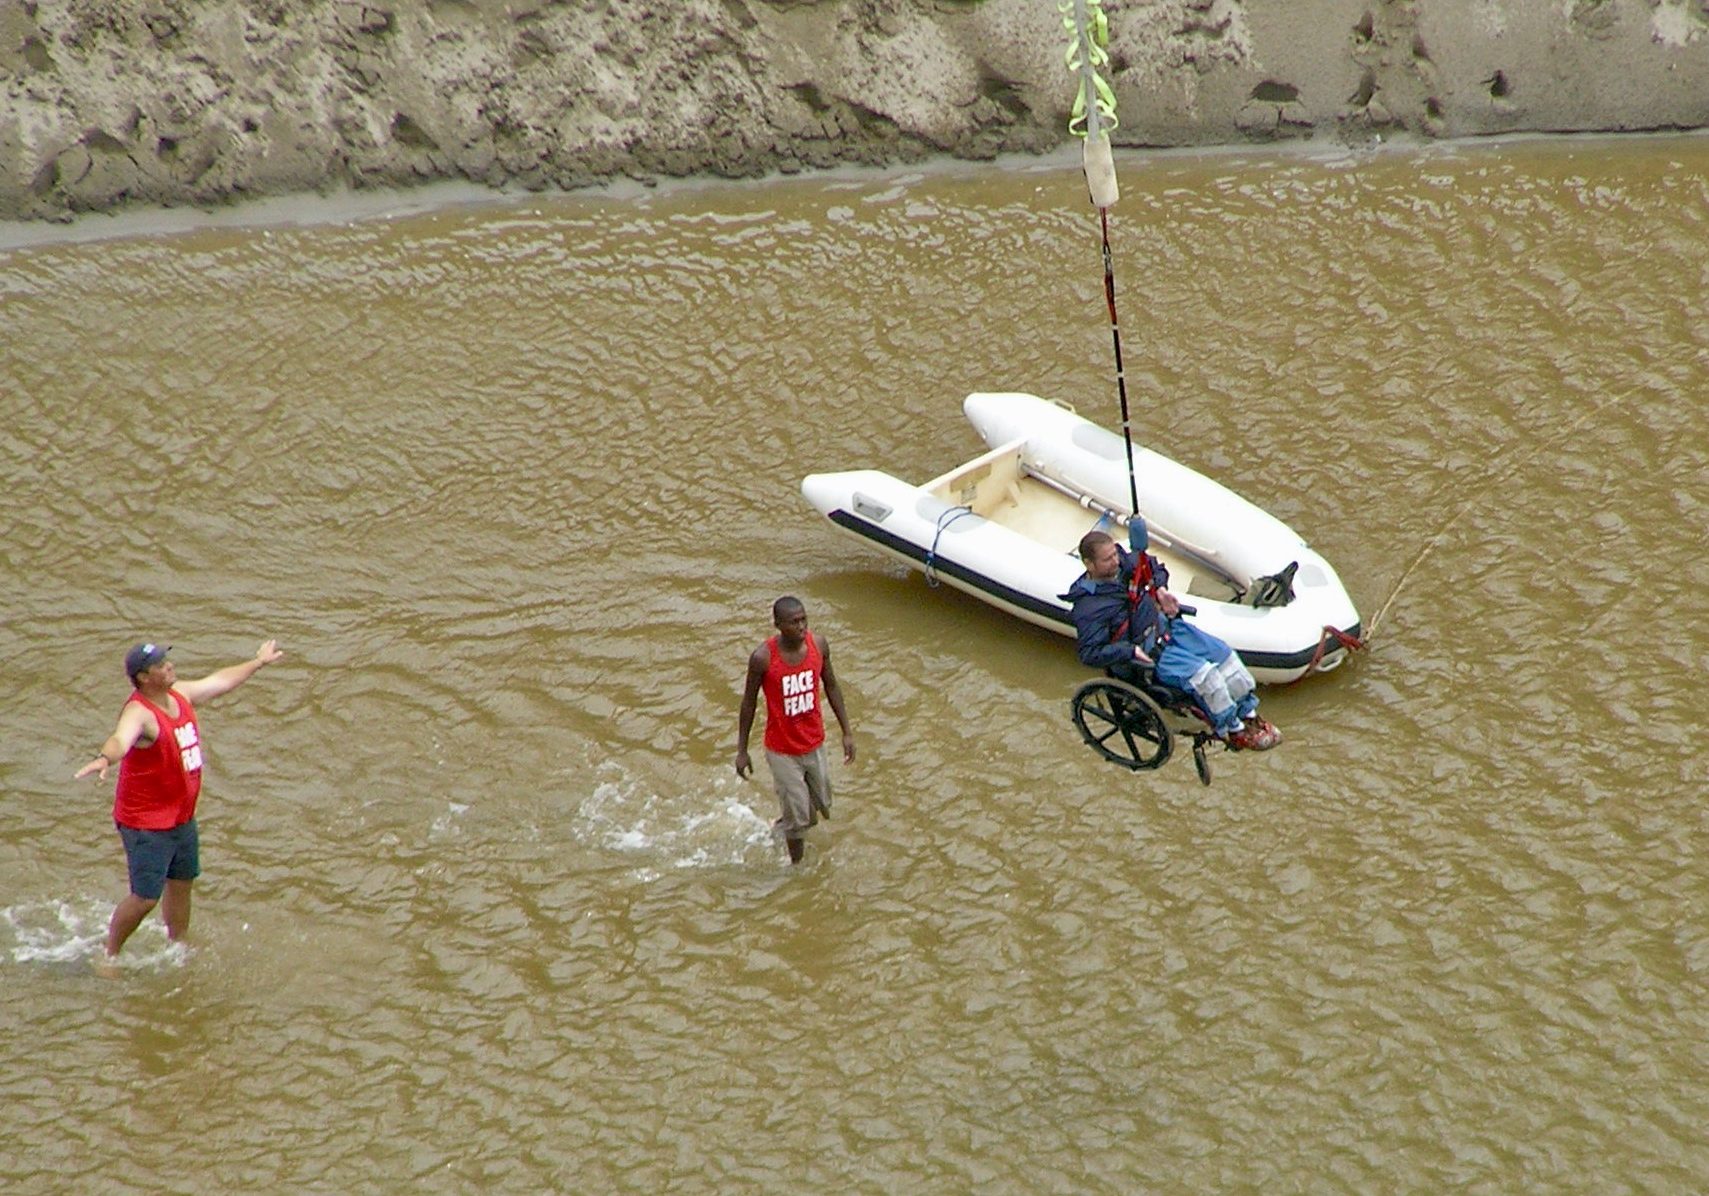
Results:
116 103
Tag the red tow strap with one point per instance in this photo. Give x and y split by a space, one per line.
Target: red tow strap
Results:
1351 642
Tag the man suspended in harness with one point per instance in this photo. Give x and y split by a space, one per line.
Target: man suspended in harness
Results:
1127 622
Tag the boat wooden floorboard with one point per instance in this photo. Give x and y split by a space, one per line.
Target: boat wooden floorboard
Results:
1049 517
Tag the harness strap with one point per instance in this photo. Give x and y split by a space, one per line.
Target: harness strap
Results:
1135 588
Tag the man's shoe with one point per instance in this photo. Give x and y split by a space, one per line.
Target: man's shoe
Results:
1259 737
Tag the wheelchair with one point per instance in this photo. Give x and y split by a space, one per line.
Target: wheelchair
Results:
1136 724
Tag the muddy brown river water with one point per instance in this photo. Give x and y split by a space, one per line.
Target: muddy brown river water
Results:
484 906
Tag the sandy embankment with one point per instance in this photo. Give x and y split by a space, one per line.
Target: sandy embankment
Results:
111 103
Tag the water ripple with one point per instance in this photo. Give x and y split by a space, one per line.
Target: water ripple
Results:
483 902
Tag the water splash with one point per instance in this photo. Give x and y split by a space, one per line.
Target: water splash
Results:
449 823
51 931
699 828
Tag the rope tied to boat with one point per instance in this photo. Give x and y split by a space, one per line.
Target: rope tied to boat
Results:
1346 639
1500 468
949 516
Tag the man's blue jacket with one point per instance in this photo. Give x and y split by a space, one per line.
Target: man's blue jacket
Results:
1100 608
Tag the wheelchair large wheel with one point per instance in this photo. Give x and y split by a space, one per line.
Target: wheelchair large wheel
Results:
1122 724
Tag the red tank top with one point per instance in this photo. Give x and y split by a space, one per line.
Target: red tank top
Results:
158 784
794 724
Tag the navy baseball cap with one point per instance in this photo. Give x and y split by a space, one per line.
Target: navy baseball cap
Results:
144 656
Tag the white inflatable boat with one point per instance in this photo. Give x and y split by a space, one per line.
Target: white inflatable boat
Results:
1005 528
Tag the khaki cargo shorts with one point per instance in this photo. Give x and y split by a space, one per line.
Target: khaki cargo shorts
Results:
803 790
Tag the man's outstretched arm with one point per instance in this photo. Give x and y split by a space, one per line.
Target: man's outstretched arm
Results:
232 676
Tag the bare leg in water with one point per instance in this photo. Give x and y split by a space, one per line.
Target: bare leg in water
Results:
175 908
127 916
129 913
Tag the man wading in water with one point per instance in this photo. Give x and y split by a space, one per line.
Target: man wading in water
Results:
158 748
789 666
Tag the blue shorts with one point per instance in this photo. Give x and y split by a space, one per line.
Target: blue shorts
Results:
155 857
